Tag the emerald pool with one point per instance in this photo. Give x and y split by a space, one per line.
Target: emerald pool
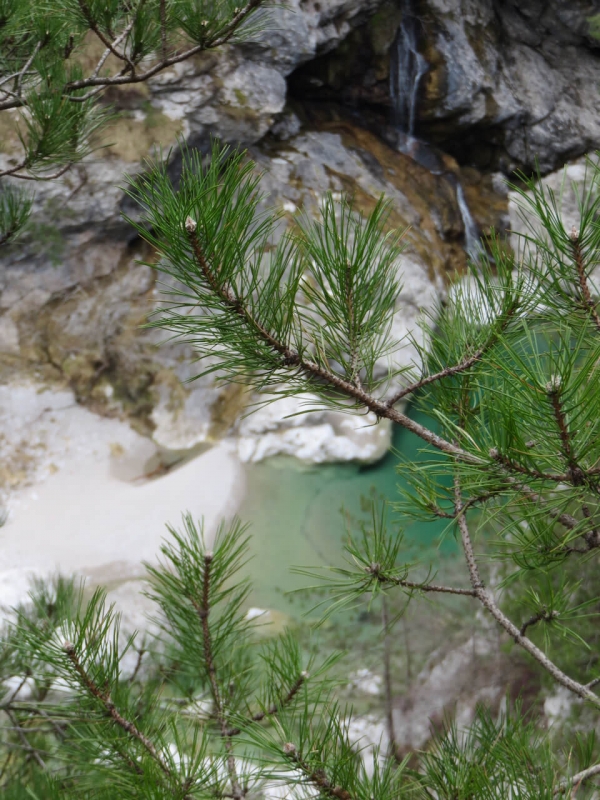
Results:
296 515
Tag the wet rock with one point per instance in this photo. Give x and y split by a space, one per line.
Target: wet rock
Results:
507 84
511 83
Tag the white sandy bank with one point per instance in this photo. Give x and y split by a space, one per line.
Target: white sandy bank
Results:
90 507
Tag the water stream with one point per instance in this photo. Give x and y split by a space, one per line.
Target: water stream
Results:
408 67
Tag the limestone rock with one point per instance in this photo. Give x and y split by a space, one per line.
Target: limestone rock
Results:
284 427
511 82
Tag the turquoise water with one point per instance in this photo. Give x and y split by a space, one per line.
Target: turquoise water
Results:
297 515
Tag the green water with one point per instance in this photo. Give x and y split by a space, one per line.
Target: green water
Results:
296 516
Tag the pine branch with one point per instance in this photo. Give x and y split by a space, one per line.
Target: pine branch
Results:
291 358
273 709
318 778
512 466
85 10
576 473
584 290
463 366
375 571
203 611
103 697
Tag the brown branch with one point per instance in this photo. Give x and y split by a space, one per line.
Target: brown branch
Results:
105 700
318 777
584 289
9 700
456 369
375 571
126 76
387 679
508 464
14 172
203 611
24 741
28 63
163 28
93 25
352 334
274 708
141 652
565 519
123 35
553 390
491 606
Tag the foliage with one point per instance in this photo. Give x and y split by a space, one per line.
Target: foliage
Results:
207 704
49 95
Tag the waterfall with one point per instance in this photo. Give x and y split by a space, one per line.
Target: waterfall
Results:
473 247
407 68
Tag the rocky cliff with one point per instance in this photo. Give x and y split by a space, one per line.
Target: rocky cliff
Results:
503 84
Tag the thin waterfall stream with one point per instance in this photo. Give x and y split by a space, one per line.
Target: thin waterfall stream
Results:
408 67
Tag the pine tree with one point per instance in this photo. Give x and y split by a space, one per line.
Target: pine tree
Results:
50 99
206 705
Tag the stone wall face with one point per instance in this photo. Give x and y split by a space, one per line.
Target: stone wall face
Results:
505 83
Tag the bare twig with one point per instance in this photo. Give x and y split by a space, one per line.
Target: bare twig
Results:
578 779
491 606
123 35
387 678
85 10
19 79
376 571
14 172
163 29
535 618
9 700
21 734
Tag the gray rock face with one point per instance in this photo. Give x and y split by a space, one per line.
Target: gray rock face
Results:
72 298
512 82
236 95
505 82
